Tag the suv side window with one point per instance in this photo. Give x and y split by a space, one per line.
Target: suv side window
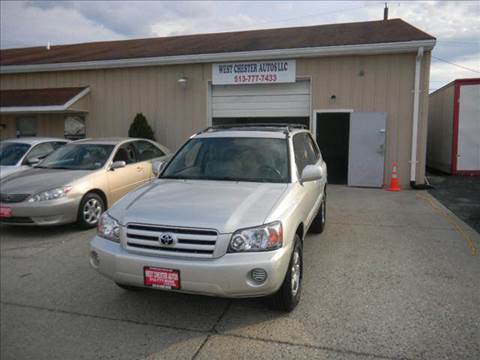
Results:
126 153
313 153
146 150
40 151
301 157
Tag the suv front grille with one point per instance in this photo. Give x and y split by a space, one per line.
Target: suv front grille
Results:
173 241
13 198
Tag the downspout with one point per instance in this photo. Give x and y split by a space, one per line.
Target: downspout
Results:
416 101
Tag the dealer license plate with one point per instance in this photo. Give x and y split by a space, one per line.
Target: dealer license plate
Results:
161 278
5 212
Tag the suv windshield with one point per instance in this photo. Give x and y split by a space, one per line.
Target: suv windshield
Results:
78 157
230 158
11 153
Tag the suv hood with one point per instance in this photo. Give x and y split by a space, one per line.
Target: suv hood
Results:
222 205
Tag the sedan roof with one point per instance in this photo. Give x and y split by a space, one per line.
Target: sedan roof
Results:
34 140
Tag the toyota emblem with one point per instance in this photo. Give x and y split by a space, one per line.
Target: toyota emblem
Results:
167 239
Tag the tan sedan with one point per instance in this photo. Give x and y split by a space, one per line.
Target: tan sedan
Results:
77 182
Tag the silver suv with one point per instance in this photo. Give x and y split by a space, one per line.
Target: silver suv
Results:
226 217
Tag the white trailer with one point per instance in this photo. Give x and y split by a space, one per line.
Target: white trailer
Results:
453 144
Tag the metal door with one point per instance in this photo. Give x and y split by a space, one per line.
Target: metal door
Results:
468 153
366 153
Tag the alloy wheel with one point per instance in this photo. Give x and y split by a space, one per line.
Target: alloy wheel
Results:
296 272
92 211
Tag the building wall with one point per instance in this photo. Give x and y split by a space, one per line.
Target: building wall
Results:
175 112
440 128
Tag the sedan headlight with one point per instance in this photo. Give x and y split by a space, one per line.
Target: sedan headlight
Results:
108 228
50 194
261 238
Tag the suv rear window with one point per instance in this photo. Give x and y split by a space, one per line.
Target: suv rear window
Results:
230 158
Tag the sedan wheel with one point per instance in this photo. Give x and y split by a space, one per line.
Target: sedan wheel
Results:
91 208
92 211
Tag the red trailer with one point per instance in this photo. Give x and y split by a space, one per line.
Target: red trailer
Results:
453 144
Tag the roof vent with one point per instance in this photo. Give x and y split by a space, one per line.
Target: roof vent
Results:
385 12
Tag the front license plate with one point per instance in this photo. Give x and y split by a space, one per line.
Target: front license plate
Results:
161 278
5 212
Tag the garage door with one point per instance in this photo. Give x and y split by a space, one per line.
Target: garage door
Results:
261 100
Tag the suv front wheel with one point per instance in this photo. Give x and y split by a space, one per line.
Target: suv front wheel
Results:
288 296
318 223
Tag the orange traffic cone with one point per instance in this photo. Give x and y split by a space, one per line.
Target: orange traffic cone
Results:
394 186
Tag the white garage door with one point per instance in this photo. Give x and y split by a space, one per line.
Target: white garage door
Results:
262 100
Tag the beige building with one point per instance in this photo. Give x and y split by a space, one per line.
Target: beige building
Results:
362 88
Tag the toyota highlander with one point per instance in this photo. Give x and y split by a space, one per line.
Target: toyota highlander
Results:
226 216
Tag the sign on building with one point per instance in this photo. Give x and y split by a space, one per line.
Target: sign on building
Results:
254 72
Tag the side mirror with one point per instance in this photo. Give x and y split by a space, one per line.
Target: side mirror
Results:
312 173
157 167
33 161
118 165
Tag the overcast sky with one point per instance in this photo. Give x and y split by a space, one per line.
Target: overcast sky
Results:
456 25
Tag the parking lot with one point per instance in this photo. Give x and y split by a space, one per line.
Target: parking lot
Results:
392 277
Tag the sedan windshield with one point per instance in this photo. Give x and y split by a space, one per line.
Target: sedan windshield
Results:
11 153
234 159
78 157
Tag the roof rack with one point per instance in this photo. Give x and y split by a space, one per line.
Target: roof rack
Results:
286 128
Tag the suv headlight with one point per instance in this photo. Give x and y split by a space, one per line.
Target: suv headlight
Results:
261 238
108 228
50 194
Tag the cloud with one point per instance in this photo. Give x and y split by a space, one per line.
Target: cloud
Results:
441 72
22 25
27 23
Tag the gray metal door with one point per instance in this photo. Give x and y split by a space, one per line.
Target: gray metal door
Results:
366 153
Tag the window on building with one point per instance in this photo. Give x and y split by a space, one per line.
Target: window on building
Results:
75 127
26 126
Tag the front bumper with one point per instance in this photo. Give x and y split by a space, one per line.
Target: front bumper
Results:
226 276
50 212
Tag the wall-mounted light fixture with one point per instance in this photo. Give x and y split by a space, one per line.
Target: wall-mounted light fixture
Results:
182 79
361 73
333 97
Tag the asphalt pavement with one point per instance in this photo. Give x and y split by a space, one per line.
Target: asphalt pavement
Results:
460 194
391 277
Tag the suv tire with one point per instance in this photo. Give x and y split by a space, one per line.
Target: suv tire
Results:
91 208
288 296
318 223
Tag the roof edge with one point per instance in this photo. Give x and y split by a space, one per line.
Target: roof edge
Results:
357 49
46 108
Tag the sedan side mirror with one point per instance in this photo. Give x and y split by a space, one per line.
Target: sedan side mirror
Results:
312 173
157 167
118 165
33 161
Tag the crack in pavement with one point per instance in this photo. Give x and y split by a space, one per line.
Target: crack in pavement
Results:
212 332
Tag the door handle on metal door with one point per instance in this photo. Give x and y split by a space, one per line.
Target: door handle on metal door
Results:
381 131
